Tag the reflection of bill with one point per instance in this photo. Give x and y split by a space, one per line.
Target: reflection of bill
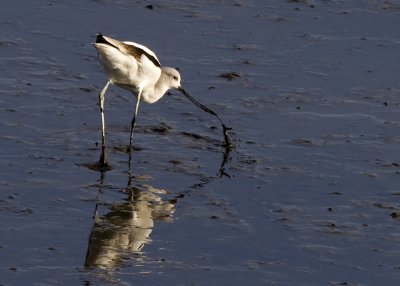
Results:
126 228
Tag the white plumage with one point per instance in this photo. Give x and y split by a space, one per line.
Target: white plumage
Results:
136 68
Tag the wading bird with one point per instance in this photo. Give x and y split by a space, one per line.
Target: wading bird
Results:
136 68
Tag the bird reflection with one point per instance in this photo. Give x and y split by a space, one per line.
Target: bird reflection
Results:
225 159
127 225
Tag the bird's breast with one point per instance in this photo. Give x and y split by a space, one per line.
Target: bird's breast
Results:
150 95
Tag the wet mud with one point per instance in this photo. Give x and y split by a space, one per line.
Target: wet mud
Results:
306 194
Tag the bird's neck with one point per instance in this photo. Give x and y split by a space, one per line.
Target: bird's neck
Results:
161 87
154 93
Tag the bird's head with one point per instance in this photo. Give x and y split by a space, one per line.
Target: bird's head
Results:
173 77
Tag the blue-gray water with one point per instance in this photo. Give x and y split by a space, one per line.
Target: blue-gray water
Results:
309 196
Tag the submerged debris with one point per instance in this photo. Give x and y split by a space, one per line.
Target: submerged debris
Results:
230 75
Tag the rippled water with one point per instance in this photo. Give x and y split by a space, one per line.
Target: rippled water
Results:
309 195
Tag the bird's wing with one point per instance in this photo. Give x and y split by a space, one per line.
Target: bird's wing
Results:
131 48
138 51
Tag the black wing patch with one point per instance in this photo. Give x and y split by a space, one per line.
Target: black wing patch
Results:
101 40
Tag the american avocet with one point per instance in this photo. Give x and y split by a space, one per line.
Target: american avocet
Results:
136 68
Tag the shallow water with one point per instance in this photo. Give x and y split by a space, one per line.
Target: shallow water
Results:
309 195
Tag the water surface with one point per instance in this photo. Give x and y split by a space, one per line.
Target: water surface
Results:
309 195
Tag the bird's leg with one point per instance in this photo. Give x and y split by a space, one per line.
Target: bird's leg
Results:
133 122
103 157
